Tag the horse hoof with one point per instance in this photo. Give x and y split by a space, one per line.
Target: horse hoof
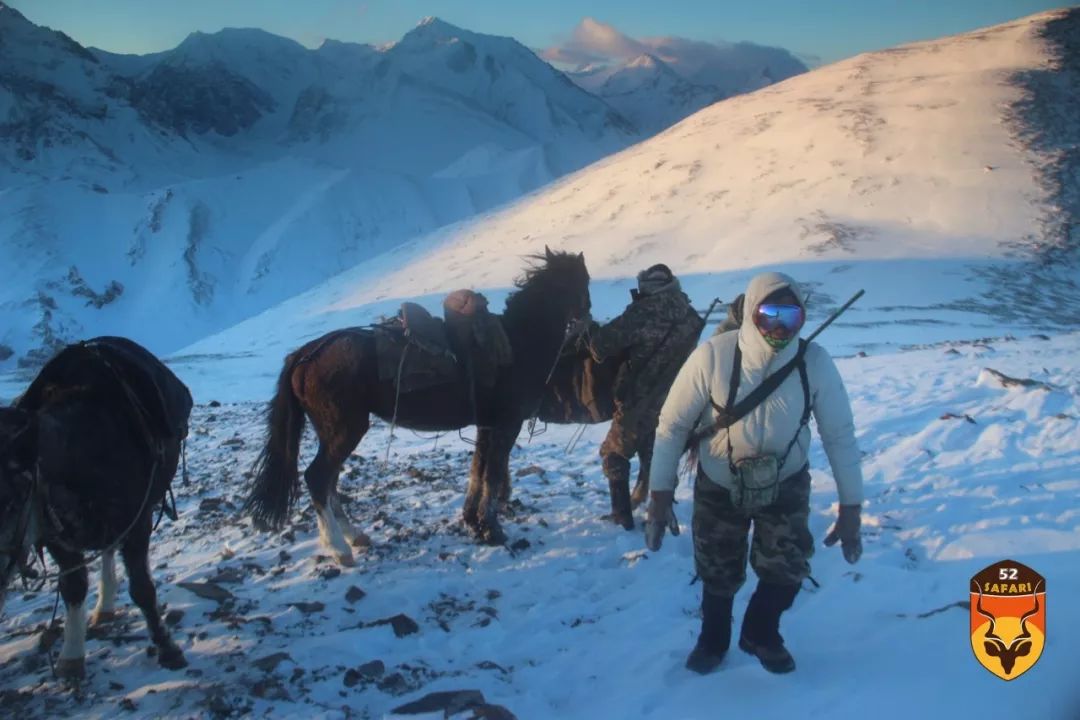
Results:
344 558
493 536
102 617
71 668
172 658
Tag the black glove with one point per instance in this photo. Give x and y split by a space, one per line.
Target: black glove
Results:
660 518
846 530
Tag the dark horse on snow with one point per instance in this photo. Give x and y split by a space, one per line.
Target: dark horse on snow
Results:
582 391
87 454
334 381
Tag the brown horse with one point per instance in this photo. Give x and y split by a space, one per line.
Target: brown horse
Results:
334 382
86 457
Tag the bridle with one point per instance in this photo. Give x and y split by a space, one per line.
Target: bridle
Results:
18 549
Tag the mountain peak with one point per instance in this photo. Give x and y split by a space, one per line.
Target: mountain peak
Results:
234 36
433 24
643 60
10 17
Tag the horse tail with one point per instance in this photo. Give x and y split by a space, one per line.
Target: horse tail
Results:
277 480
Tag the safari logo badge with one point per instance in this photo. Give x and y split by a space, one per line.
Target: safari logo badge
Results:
1008 618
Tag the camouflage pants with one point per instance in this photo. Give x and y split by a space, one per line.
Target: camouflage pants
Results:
781 548
630 434
627 438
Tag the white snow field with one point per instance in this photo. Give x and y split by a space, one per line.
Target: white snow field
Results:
924 175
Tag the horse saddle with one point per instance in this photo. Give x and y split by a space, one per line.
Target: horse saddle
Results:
419 350
428 333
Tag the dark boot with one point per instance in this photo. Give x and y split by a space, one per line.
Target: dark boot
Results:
712 643
617 470
761 626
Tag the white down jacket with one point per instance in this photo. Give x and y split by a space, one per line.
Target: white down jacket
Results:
771 426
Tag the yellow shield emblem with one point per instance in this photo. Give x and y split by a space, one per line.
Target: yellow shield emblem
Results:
1008 618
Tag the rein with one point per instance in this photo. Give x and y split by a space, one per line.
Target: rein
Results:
547 381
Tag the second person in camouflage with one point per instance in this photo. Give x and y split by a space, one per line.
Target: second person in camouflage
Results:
654 335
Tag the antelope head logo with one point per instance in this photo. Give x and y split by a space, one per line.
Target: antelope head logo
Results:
1019 647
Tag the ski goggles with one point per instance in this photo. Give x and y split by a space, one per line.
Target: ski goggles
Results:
783 321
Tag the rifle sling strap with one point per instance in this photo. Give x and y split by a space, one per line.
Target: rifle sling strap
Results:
732 412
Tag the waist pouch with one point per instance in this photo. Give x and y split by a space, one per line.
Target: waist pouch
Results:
757 482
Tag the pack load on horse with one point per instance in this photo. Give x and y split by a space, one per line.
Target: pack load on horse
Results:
474 369
417 350
87 455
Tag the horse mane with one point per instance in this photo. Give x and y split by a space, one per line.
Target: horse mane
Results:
537 274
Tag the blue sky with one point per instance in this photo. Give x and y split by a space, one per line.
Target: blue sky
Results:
827 29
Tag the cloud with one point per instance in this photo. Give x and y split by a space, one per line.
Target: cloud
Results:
593 41
723 64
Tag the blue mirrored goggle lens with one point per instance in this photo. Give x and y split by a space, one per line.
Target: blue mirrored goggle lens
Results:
771 317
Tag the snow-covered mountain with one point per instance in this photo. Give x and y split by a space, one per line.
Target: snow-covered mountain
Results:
171 195
651 94
655 82
939 176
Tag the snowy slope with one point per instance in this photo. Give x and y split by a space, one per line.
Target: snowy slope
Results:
574 619
214 180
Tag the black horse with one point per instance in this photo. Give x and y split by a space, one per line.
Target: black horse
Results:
582 391
87 454
335 382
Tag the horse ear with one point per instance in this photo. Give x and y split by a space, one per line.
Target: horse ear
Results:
547 252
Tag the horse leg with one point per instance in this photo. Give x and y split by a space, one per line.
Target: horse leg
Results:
481 454
105 609
495 477
73 586
320 476
354 537
136 555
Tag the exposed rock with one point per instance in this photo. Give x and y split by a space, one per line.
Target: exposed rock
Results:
395 684
207 590
1007 381
354 595
368 672
449 702
199 99
269 662
491 712
403 625
954 416
229 575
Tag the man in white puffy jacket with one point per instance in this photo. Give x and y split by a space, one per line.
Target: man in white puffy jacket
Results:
756 472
